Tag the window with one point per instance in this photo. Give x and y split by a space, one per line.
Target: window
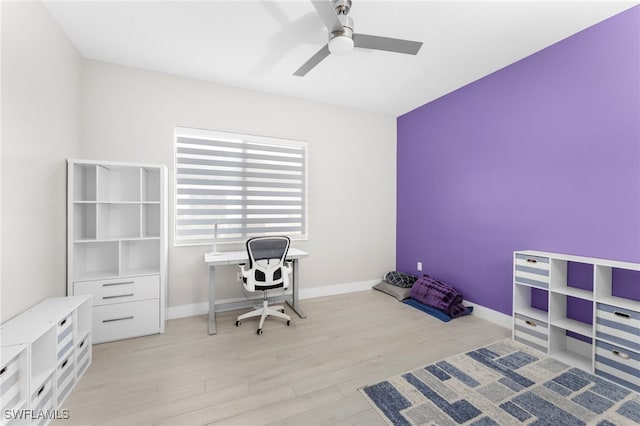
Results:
231 187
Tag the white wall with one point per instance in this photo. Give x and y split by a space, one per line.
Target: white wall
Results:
41 127
129 115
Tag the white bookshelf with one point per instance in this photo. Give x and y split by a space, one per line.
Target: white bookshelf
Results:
117 236
607 345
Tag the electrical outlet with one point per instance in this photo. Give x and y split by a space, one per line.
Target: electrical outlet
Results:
419 266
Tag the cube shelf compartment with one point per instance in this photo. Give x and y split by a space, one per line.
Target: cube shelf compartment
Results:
95 259
118 183
85 183
151 184
528 301
118 220
570 349
139 257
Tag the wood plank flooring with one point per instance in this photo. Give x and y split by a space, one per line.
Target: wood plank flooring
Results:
306 374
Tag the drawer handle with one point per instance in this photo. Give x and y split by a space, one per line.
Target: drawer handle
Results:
622 314
532 261
64 364
118 319
40 390
81 344
116 296
63 322
531 323
122 283
4 370
621 354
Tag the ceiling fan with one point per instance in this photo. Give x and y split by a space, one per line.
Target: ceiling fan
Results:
342 38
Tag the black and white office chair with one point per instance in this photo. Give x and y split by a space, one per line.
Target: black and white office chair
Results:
267 270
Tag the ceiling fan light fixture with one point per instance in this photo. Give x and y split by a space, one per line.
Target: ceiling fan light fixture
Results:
334 15
341 45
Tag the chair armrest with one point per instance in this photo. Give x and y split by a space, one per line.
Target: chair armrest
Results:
246 282
243 270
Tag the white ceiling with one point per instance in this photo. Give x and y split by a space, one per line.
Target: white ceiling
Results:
259 44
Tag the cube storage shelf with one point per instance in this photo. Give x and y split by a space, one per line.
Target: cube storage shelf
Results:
45 351
117 236
569 307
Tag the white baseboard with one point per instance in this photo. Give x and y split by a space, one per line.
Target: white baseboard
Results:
490 315
332 290
202 308
191 310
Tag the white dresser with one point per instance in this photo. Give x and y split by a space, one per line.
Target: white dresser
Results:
606 338
45 351
117 245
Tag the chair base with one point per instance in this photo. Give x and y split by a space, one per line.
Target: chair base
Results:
263 312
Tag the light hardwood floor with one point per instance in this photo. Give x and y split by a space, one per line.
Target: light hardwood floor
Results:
306 374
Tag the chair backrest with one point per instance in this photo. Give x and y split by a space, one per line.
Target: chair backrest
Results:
266 261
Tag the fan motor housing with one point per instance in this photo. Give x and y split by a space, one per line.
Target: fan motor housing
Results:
347 26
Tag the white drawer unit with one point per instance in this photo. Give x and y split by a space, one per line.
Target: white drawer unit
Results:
124 307
38 358
618 364
531 332
618 325
13 377
583 311
65 379
532 270
42 402
83 356
64 334
127 289
124 320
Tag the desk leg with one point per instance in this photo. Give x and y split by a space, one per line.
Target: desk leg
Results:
212 300
294 303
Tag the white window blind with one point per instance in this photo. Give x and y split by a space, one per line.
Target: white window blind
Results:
232 187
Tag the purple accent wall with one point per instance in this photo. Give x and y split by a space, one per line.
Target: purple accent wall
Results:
543 155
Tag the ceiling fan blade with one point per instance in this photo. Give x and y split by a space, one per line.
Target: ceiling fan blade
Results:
385 43
328 15
313 61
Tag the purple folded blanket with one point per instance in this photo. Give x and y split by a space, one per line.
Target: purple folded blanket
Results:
435 293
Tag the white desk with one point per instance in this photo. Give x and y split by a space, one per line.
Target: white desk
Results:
236 258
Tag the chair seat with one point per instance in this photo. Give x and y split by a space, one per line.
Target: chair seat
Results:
268 287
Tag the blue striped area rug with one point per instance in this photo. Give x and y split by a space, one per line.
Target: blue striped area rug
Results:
505 383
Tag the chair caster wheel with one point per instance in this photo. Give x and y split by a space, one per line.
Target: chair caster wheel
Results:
238 323
288 323
282 310
259 332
